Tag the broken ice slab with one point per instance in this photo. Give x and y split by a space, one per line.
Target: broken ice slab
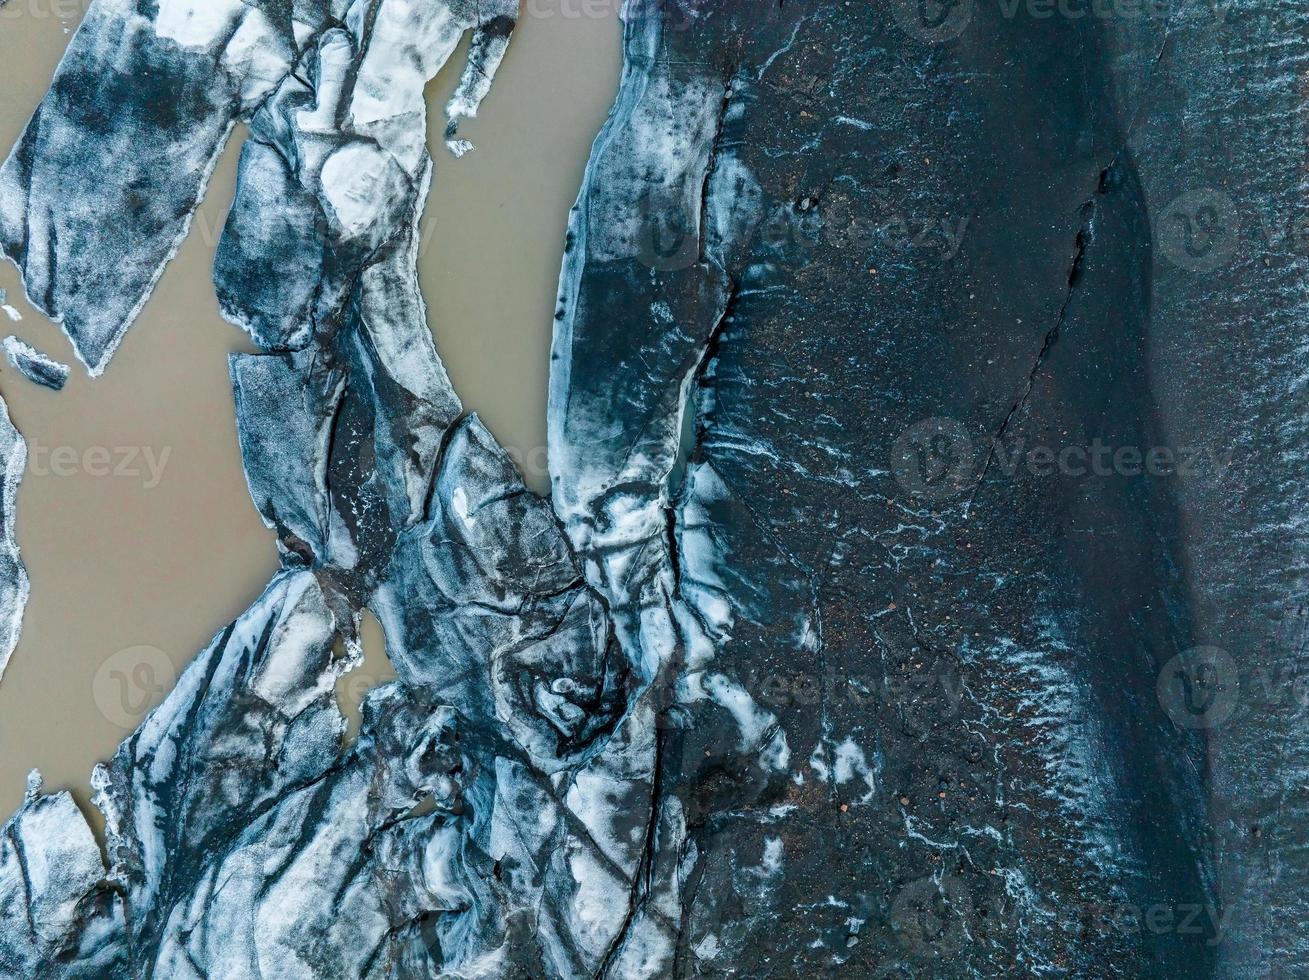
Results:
252 717
34 366
62 920
326 194
14 585
98 193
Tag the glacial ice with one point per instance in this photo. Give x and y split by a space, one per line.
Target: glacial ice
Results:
36 367
838 686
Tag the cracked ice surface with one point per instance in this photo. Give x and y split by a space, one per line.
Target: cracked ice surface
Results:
384 494
754 692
